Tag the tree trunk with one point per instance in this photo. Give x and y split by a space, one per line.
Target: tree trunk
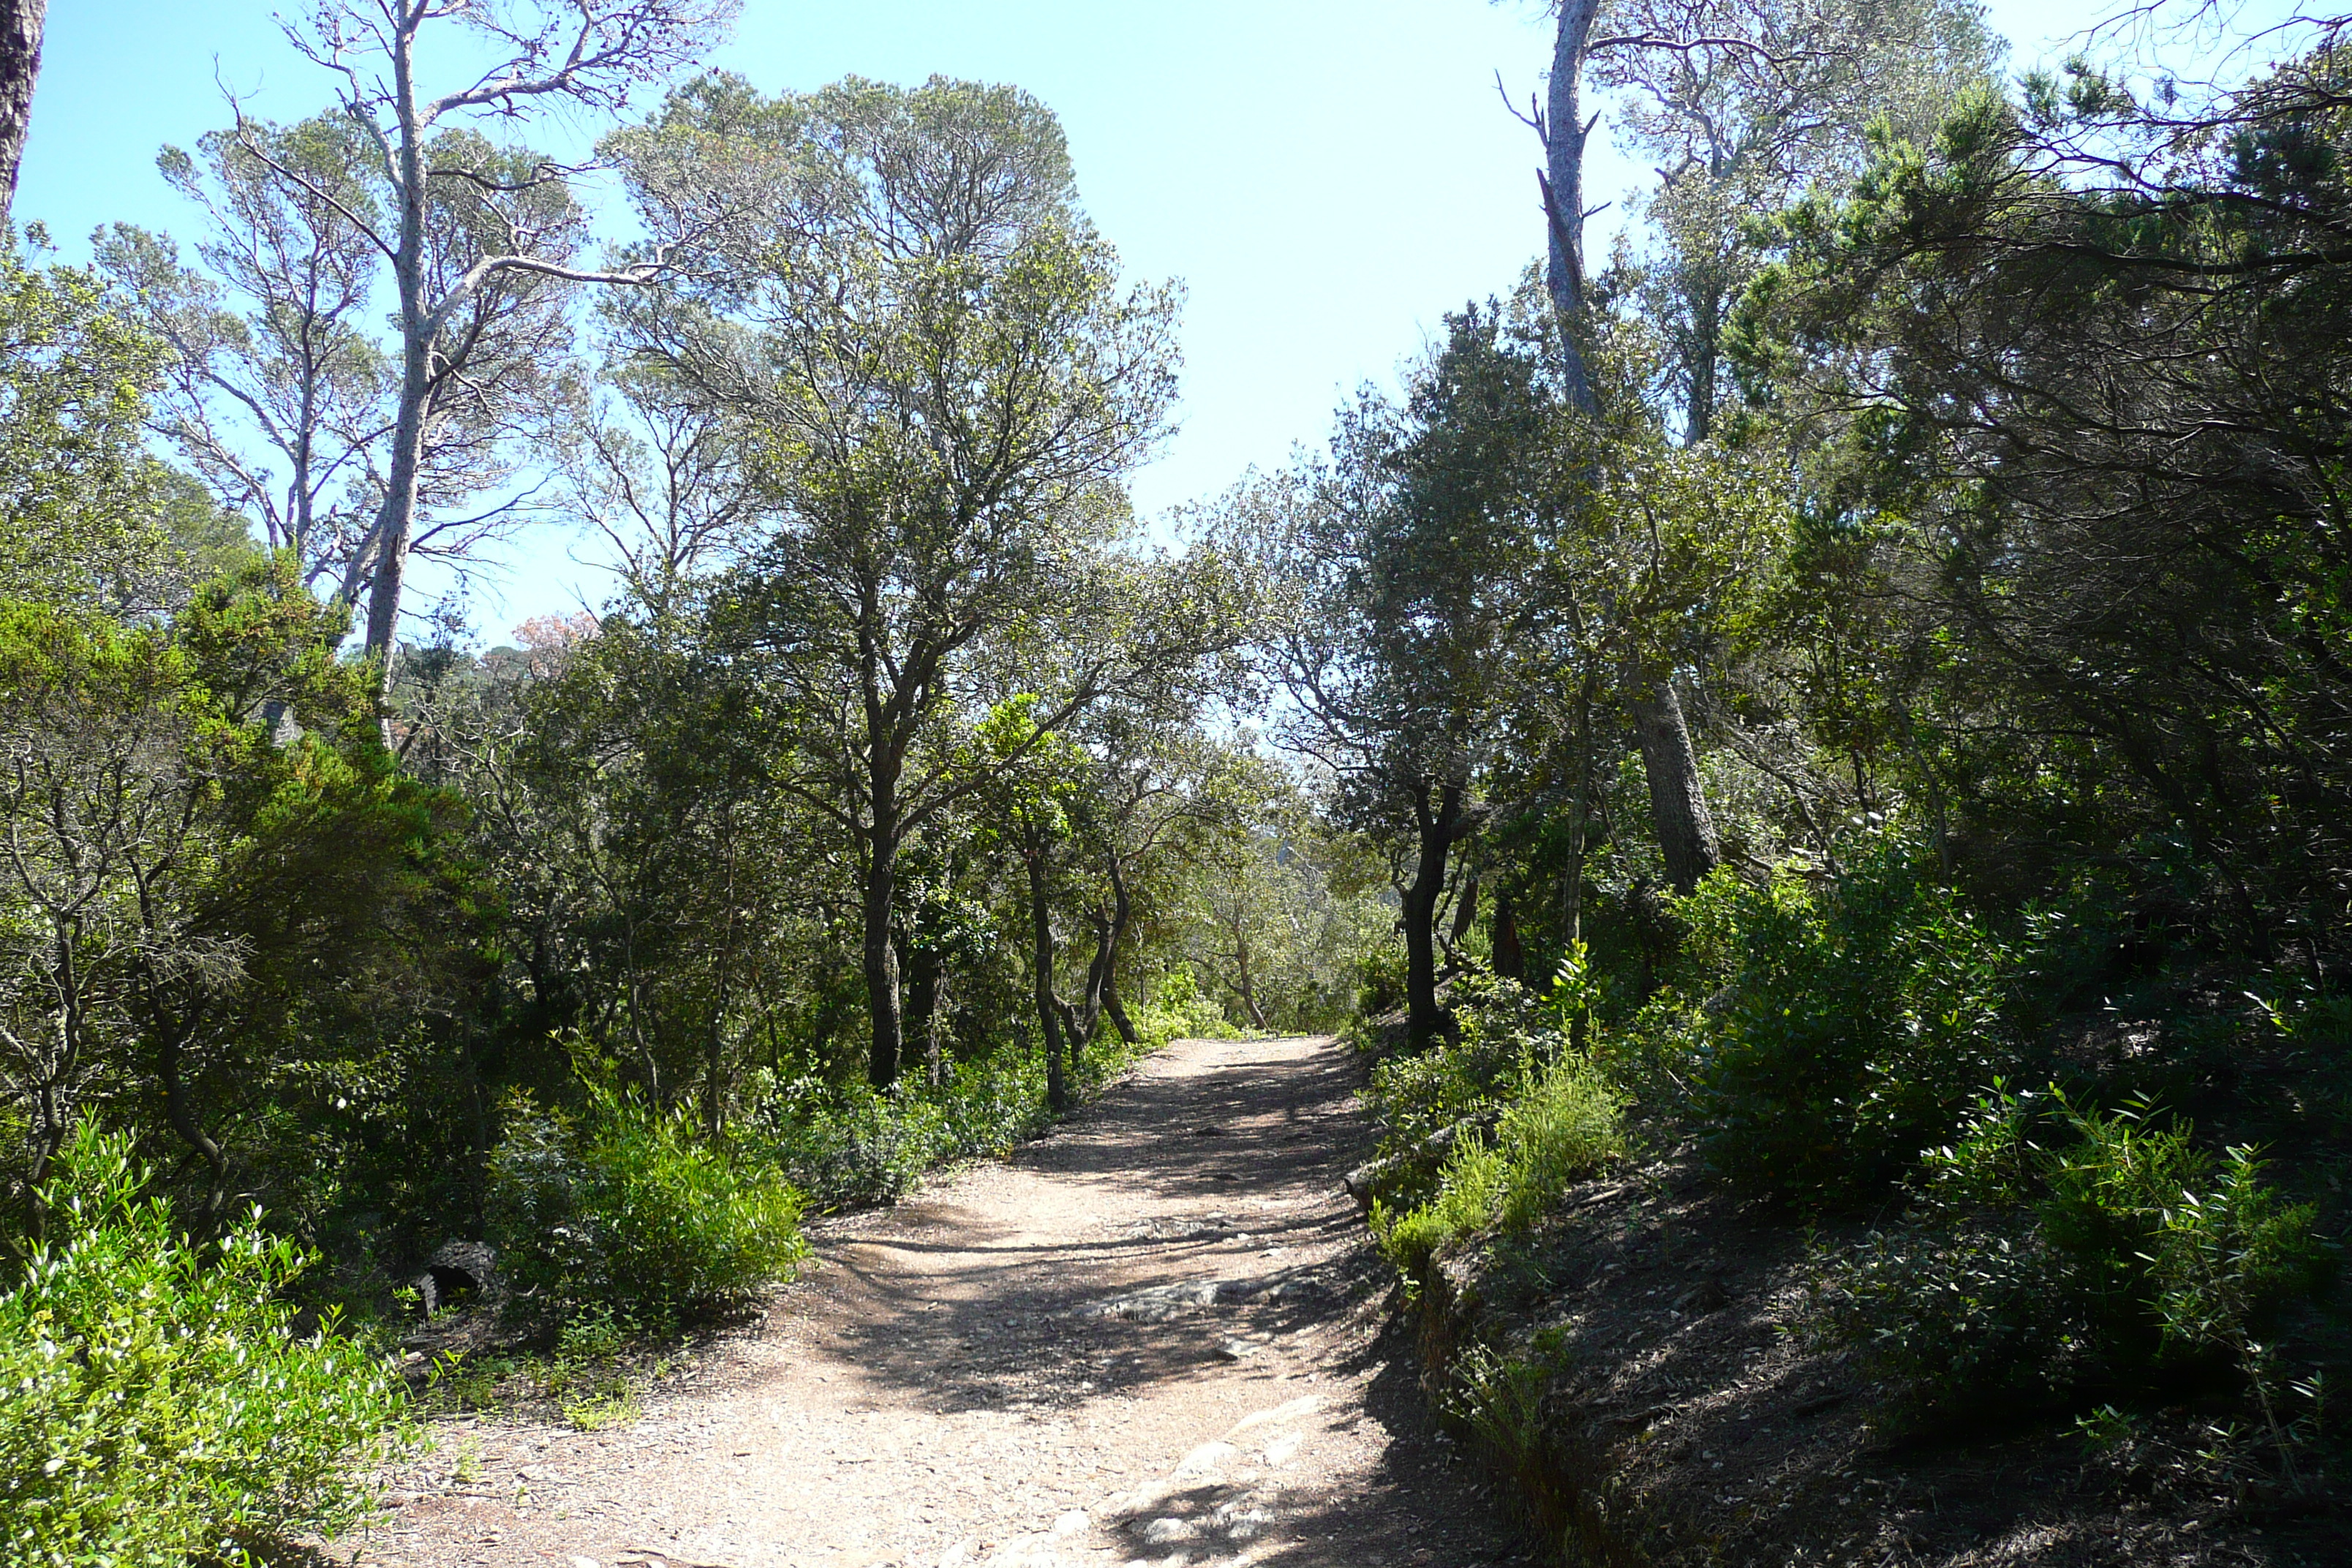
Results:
1579 816
881 955
1510 957
1118 1011
21 23
1089 1011
1424 1020
1562 183
1049 1006
1465 910
1706 352
1677 803
396 519
922 1009
171 1039
935 1039
1105 996
1244 987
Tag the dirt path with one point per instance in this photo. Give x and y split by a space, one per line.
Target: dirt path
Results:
1147 1339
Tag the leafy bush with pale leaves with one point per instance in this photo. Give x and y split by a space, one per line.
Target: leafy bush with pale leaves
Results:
625 1208
156 1404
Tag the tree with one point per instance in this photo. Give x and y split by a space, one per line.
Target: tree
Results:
1740 102
1162 789
663 479
184 896
1740 105
2074 362
21 23
1285 908
295 366
1677 801
1414 555
1041 778
480 238
941 385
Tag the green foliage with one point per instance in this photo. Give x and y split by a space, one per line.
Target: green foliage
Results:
1466 1076
2060 1251
81 501
1380 979
1499 1399
194 898
848 1146
1846 1025
1178 1011
623 1209
1561 1122
1565 1129
156 1404
851 1144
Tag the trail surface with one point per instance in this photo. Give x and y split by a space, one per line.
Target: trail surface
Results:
1147 1339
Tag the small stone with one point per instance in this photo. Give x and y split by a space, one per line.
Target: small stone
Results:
585 1563
1237 1350
1071 1522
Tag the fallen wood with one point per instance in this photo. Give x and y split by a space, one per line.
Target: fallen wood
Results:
1363 1183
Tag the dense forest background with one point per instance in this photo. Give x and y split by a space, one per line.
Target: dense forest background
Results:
1855 681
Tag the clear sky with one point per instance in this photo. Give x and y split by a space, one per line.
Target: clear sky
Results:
1327 178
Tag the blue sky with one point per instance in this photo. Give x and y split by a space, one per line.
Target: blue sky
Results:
1326 176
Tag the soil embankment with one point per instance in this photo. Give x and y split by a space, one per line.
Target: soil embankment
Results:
1150 1338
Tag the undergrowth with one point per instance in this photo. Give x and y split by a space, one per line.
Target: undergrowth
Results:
2057 1253
1558 1122
849 1145
157 1403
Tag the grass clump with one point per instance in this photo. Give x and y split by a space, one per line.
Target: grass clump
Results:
1564 1123
157 1405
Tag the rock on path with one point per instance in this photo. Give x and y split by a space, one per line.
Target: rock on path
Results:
1147 1339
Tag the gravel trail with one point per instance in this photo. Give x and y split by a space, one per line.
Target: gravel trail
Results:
1147 1339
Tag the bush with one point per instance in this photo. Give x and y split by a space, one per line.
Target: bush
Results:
156 1405
2060 1251
1177 1011
1466 1076
1565 1129
626 1209
850 1145
1847 1026
846 1145
1381 979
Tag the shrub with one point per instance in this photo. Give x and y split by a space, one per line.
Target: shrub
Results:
1177 1011
2059 1251
156 1405
625 1208
1458 1078
1849 1025
1381 979
847 1144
